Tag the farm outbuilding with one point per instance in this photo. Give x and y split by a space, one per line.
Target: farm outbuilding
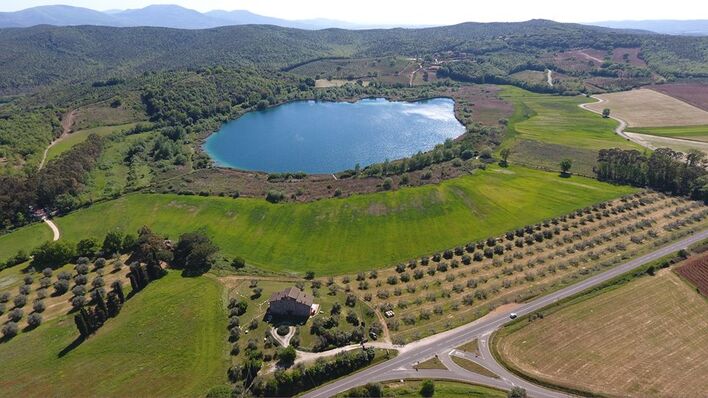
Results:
291 302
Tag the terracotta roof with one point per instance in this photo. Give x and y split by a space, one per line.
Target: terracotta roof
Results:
292 293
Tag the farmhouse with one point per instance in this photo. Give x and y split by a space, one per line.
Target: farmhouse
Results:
291 302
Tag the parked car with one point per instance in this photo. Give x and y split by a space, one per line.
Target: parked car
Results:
513 315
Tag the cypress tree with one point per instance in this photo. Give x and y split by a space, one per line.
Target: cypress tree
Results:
133 282
100 302
80 322
114 304
100 317
87 315
118 289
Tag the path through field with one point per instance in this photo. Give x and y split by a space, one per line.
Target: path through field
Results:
590 57
550 77
412 75
66 123
622 124
55 229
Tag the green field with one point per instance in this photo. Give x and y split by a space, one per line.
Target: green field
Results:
169 340
344 235
697 133
547 128
451 389
112 176
80 136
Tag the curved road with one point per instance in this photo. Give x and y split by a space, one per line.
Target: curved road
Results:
443 344
55 229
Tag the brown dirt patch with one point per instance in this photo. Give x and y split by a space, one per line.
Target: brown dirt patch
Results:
649 108
695 94
695 270
628 55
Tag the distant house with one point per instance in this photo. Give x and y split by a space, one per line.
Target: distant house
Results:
291 302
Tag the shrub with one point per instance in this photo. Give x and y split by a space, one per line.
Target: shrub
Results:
98 282
45 282
28 279
274 196
283 330
4 297
392 280
34 320
478 256
39 306
63 275
10 330
387 183
427 388
41 293
15 315
61 286
82 269
100 263
78 301
25 289
466 259
81 279
20 300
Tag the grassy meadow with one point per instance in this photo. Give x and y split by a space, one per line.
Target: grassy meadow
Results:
80 136
451 389
168 340
645 338
548 128
337 236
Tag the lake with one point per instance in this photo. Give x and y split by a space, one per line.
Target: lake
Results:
326 137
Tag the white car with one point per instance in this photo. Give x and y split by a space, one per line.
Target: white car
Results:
513 315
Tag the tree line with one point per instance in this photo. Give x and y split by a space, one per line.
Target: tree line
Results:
664 170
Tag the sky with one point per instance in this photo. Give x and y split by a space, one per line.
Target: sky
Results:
416 12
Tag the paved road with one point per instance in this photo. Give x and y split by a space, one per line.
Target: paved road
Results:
402 367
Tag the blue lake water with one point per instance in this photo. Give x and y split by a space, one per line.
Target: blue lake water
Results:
326 137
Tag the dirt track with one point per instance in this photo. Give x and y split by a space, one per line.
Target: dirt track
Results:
67 122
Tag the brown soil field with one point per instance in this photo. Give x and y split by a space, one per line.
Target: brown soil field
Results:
574 61
648 108
695 94
695 270
444 292
646 338
632 56
480 103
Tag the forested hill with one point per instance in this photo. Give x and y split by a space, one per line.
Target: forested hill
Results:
32 57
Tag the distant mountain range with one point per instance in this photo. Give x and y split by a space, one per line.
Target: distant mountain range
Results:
165 16
698 27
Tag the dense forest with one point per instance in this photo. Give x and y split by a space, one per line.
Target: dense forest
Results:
34 57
